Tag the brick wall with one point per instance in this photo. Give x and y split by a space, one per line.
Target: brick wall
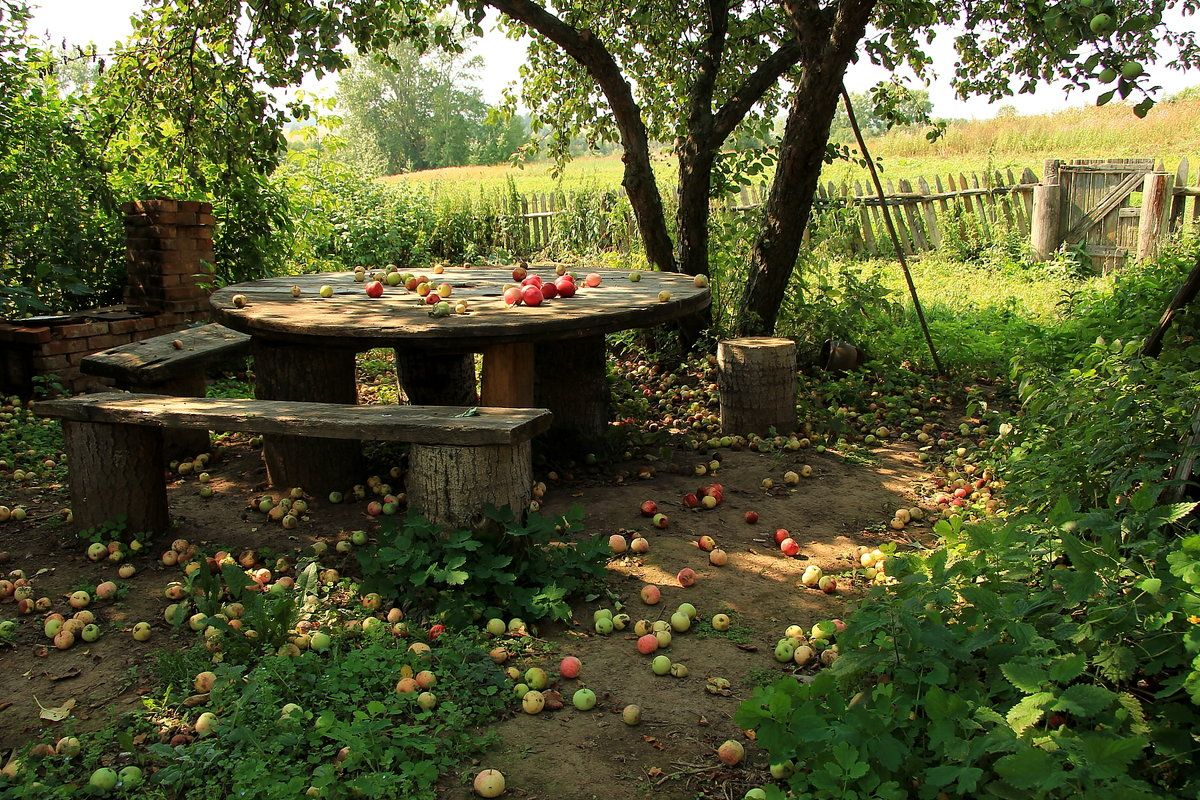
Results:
169 256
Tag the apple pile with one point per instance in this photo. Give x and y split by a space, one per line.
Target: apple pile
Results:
658 635
288 510
815 647
706 497
532 291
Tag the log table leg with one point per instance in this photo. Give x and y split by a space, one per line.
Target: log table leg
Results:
508 376
436 379
571 379
451 485
758 385
117 473
182 442
319 375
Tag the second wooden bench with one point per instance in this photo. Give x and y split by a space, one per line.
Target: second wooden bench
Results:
460 462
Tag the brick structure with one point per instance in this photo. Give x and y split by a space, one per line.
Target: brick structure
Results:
169 257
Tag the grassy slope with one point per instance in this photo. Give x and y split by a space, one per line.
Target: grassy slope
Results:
1170 131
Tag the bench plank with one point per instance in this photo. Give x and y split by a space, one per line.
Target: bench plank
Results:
432 425
156 360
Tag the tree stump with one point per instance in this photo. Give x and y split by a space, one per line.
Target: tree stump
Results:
452 485
117 472
571 380
294 372
758 385
435 379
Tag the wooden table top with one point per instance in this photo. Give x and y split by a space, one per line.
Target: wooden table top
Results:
352 319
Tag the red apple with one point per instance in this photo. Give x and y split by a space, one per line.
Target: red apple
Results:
533 280
412 283
569 667
789 547
519 274
706 543
649 508
433 298
549 290
532 296
751 517
686 577
593 280
565 287
512 296
690 500
374 289
780 535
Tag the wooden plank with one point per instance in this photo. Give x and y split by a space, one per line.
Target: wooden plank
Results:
914 224
931 221
1178 200
1028 177
864 222
1014 203
983 209
526 239
157 360
1105 204
1001 200
414 424
943 205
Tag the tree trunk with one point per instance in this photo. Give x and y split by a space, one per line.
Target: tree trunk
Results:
571 379
117 473
435 379
452 485
758 385
801 156
311 374
696 159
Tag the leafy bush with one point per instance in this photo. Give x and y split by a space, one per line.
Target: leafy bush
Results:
457 575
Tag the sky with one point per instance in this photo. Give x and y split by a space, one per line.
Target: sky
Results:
107 21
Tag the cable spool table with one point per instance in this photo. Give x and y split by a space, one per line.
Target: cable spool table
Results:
547 356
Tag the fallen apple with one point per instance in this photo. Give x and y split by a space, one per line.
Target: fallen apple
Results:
649 508
569 667
533 702
617 544
731 753
686 577
584 699
651 594
661 665
718 558
721 622
489 783
631 714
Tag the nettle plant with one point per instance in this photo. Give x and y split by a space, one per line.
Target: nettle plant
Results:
1026 658
457 575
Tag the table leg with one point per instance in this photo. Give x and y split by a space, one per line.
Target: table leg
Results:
437 379
508 376
572 381
318 375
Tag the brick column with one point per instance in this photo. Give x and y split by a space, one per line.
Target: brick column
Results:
169 253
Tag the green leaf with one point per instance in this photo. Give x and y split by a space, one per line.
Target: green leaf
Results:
1028 712
1151 586
1085 700
1026 769
1026 677
1068 668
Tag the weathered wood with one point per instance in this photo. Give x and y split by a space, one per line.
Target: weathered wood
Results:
571 380
1047 199
1184 296
914 225
1179 198
508 375
931 221
356 321
157 360
179 443
1154 209
1094 212
757 378
436 379
864 222
452 485
1002 201
412 424
308 374
116 474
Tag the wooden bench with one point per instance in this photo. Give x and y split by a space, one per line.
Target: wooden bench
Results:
171 364
458 464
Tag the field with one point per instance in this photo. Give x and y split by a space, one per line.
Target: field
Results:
1169 132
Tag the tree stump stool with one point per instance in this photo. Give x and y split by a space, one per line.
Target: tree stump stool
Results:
757 377
452 485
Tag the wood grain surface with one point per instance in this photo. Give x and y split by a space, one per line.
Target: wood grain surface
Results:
352 319
157 360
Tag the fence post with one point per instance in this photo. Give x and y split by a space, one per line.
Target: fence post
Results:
1047 202
1154 211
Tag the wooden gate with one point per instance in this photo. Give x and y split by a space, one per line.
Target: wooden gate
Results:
1097 211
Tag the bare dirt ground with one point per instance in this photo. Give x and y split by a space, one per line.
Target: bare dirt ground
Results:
566 754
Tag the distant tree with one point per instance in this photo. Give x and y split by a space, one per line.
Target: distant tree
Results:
421 110
885 106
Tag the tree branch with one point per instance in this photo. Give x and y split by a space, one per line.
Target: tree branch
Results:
756 84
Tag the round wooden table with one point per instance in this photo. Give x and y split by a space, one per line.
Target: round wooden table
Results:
549 356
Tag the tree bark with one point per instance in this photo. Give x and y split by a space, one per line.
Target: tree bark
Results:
436 379
452 485
829 44
294 372
758 385
117 473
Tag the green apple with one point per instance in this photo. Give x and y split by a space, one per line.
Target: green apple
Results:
584 699
661 665
784 650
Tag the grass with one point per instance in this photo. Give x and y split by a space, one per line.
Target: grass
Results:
1169 132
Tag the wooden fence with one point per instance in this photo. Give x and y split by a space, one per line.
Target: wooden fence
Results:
923 211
